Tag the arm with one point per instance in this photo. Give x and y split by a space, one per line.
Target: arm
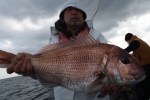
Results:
132 46
22 64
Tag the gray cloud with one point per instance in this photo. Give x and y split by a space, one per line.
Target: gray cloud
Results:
33 9
110 13
107 18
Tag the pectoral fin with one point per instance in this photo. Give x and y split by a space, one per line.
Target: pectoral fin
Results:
98 83
90 96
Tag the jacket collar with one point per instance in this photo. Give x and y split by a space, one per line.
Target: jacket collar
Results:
133 38
55 30
60 27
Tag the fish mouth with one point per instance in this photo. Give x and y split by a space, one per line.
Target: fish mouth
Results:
141 79
131 82
138 75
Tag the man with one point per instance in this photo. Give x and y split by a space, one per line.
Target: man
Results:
141 51
71 24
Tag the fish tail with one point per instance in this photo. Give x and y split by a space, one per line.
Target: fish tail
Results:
5 58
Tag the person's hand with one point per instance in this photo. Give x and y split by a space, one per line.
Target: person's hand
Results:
109 89
21 65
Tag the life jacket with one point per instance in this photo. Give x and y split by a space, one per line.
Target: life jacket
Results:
63 38
142 53
64 34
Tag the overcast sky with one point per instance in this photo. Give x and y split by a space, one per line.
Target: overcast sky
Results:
25 24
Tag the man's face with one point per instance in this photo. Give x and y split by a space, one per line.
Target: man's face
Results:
73 17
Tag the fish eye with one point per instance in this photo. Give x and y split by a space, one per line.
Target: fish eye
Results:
125 60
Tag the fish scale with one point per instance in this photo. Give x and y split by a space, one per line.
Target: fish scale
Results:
68 64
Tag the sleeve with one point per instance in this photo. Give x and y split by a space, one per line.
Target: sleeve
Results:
53 35
53 39
132 46
97 35
102 38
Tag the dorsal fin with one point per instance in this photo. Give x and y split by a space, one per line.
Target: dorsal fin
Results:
87 39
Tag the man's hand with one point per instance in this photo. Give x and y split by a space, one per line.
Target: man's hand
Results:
21 65
109 89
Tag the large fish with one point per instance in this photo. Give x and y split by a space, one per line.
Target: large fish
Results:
83 64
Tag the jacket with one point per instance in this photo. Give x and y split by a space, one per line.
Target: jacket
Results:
62 93
96 34
142 53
